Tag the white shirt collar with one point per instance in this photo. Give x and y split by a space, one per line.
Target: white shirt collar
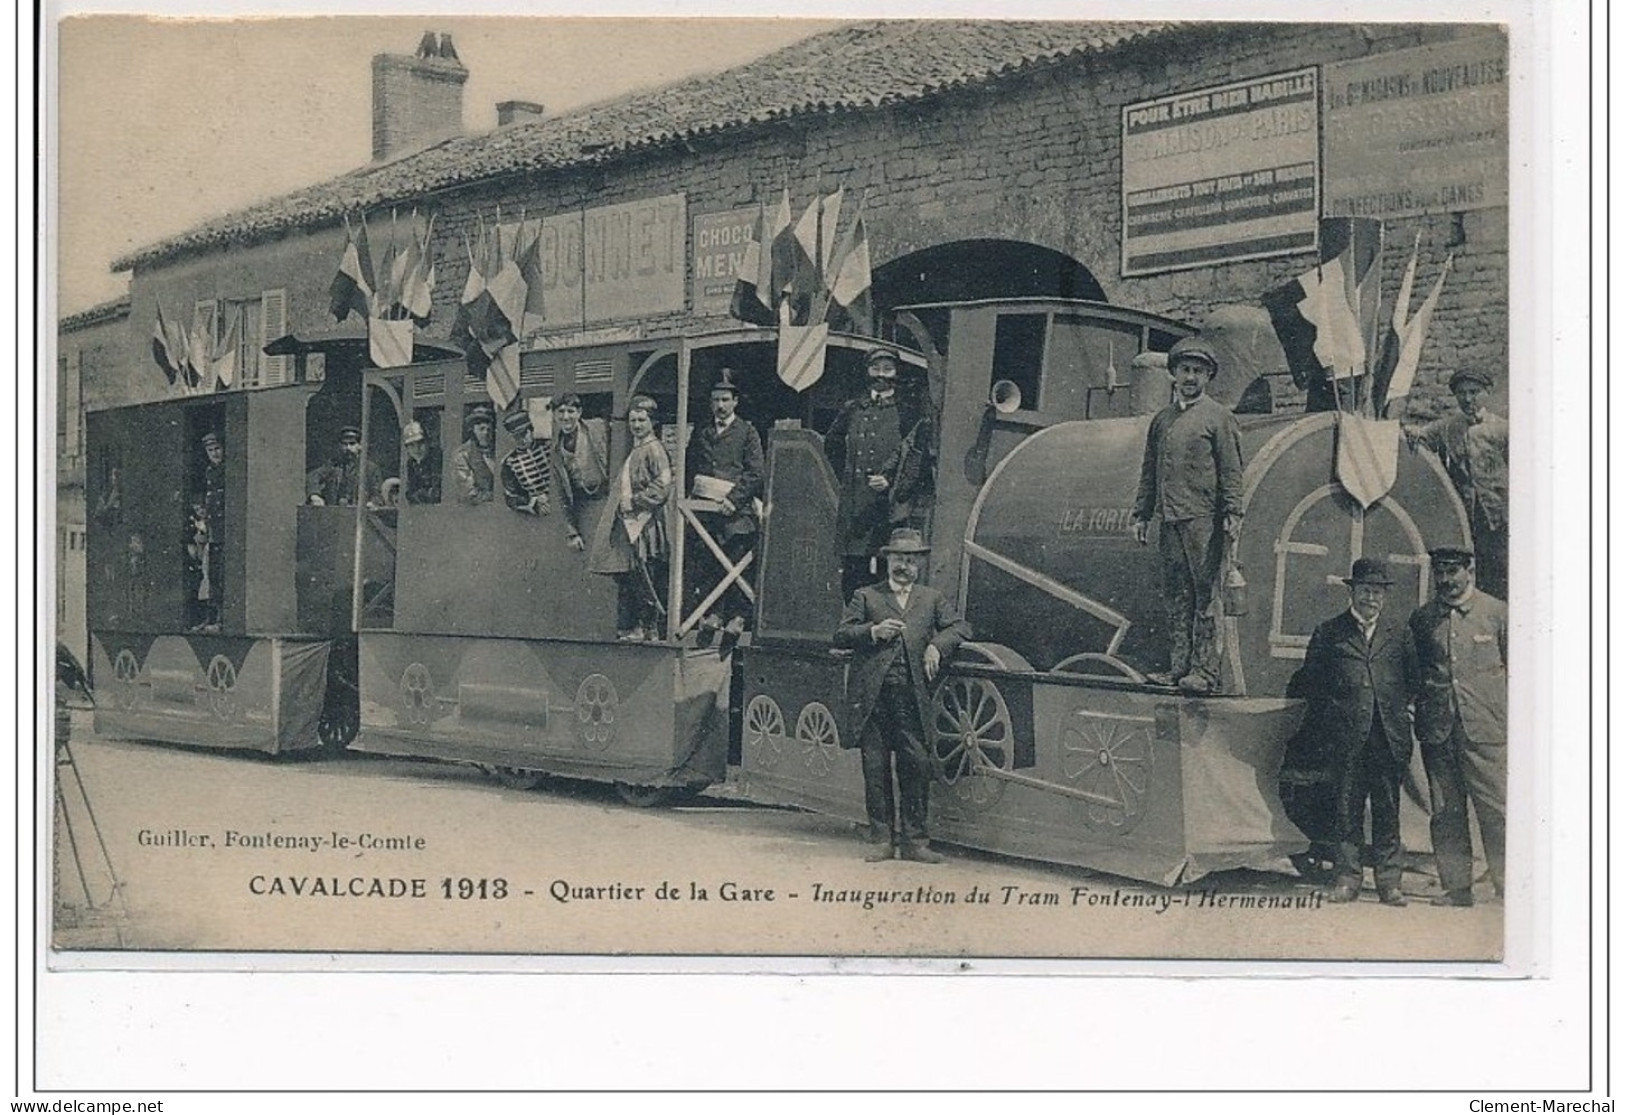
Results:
721 424
899 590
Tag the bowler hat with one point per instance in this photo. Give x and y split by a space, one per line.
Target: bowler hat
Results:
1450 555
350 434
1369 571
1472 375
517 420
1193 348
727 380
884 352
412 433
906 540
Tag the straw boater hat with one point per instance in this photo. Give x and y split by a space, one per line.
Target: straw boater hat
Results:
906 540
1369 571
1193 348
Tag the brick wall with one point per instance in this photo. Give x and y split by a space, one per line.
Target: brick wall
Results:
415 102
1035 158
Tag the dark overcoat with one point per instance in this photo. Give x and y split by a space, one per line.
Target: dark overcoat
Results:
735 455
929 620
1349 684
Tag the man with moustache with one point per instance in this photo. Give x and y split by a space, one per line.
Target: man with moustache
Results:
726 449
1359 673
901 634
339 481
882 447
1472 446
1461 721
1190 484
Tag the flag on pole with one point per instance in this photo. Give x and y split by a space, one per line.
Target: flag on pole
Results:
389 341
853 278
530 270
1339 344
801 350
1405 343
163 351
350 290
829 218
225 357
502 376
753 286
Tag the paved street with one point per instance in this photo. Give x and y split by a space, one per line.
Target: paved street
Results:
232 851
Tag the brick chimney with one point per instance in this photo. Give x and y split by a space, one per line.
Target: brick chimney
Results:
518 112
417 99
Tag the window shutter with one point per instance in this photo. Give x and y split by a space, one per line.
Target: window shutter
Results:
274 370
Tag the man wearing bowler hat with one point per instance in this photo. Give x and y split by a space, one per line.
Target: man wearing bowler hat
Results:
728 450
902 633
1472 445
1359 674
1461 721
882 446
1190 486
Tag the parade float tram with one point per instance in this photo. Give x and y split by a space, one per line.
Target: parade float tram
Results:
219 602
474 633
497 644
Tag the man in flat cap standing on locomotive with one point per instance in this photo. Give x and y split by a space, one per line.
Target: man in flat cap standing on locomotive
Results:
1190 484
1472 445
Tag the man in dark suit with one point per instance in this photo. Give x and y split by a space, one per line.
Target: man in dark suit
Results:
1190 486
1461 721
902 633
727 449
1360 674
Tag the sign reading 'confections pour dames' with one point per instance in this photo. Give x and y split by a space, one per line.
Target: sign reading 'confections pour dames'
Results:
1418 131
1224 173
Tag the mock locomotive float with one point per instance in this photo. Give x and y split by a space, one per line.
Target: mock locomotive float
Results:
480 634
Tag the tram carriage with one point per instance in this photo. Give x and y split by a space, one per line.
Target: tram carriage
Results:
264 658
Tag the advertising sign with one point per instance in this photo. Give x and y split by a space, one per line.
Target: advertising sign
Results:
1226 173
612 262
719 243
1418 131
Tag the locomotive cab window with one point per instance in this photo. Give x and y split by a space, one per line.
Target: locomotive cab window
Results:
1018 359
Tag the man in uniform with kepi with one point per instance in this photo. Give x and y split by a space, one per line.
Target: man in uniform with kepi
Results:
902 633
1190 485
1461 721
1358 675
340 482
881 446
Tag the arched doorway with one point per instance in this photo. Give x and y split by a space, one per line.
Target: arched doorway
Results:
968 270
